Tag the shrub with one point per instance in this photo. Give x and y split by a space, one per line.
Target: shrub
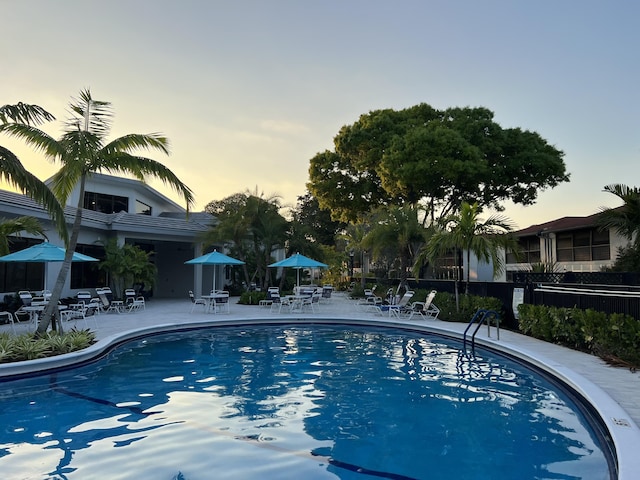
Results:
28 347
615 338
252 298
469 305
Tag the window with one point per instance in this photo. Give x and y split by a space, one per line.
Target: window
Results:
87 274
21 275
529 251
142 208
583 246
102 202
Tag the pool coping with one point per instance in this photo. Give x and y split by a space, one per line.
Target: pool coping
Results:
623 430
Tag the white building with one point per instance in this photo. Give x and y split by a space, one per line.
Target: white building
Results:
129 211
570 244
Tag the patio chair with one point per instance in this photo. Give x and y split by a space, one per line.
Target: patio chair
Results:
25 297
197 301
221 301
107 303
312 302
426 309
9 317
278 302
129 297
401 306
78 311
91 303
136 304
327 290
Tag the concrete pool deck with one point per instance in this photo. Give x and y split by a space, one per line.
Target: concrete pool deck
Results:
622 416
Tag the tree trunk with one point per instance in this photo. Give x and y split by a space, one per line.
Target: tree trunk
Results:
51 316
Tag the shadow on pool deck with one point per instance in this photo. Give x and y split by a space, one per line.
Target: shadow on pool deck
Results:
619 383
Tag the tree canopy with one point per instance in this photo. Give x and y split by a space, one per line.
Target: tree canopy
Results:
440 157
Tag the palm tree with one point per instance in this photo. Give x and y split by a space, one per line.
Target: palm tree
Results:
83 150
13 172
625 219
467 232
354 236
396 230
14 227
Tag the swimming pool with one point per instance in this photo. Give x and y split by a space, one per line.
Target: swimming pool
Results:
296 401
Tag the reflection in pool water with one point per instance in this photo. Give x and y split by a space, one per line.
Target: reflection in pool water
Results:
295 401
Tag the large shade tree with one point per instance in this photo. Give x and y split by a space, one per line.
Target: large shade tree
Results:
439 157
84 149
13 172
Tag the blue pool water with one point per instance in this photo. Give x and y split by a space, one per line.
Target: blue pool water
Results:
295 402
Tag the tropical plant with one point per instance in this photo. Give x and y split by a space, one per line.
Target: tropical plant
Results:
465 231
396 231
127 265
13 172
625 219
14 227
83 150
251 224
353 237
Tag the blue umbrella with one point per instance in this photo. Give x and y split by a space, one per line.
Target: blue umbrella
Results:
44 252
298 261
214 258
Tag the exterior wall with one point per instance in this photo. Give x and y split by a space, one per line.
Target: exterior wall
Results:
548 246
132 189
172 237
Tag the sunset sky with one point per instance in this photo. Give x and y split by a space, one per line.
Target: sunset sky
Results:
249 91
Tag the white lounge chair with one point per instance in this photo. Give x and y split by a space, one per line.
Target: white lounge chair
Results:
401 306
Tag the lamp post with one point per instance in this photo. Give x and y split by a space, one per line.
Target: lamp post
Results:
363 253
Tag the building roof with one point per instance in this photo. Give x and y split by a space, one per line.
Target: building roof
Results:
173 223
559 225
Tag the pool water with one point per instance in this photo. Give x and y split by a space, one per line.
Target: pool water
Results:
295 402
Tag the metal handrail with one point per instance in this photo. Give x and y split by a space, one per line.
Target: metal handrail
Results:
481 316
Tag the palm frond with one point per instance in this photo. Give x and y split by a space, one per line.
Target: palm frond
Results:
15 227
34 137
14 173
25 113
141 168
131 142
90 115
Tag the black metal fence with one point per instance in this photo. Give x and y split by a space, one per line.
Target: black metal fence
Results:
609 298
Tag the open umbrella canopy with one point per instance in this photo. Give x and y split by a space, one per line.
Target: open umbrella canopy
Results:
299 261
44 252
215 258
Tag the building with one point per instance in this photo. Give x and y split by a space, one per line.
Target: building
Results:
568 244
114 208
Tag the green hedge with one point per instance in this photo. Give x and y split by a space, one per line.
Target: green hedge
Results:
469 305
614 337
